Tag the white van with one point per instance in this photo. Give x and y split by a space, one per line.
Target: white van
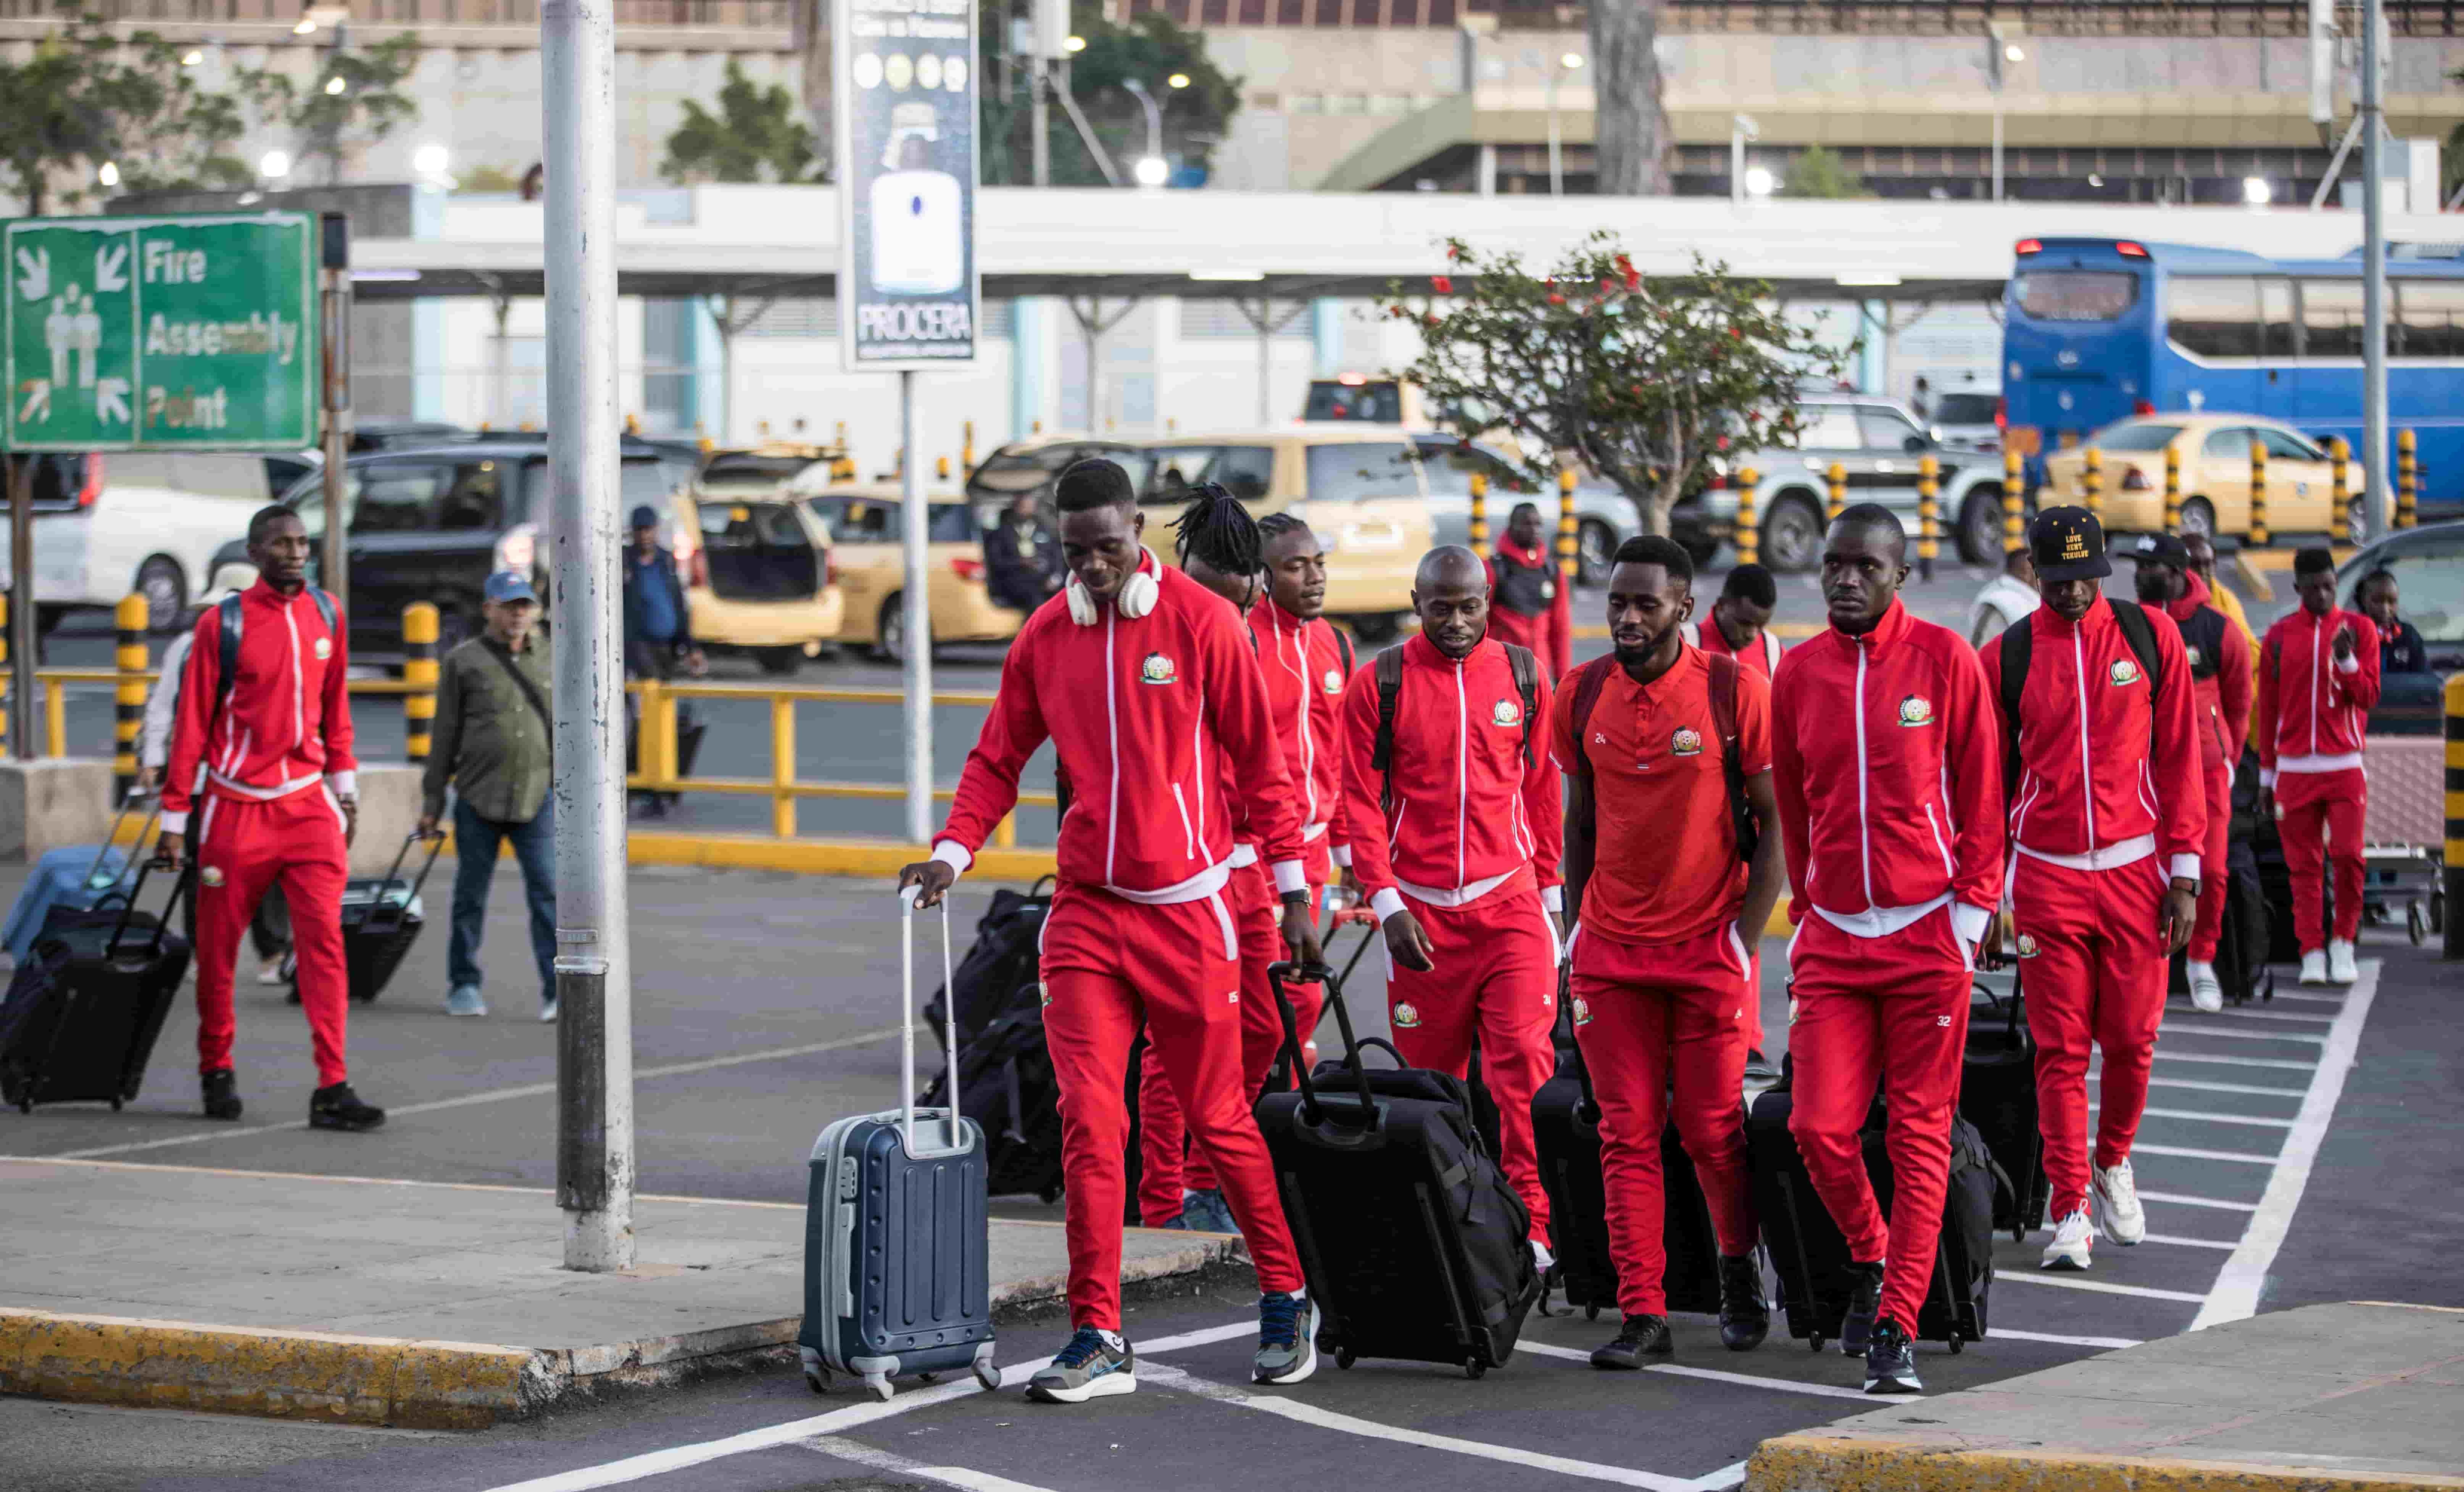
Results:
142 521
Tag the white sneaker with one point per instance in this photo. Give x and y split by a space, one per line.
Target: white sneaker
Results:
2340 968
1541 1259
2113 1199
2314 967
2072 1240
2206 991
270 973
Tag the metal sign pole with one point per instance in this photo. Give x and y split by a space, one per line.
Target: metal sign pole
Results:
594 1068
21 599
2378 490
919 616
335 306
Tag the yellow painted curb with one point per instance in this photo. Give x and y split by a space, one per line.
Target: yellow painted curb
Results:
1831 1464
819 856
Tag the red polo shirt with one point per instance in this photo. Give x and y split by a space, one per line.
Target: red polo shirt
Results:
1666 869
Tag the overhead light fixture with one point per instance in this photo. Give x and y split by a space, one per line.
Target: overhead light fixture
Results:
2014 53
108 174
273 164
1758 181
307 27
1152 170
1236 275
1879 282
2256 191
430 159
383 277
1177 80
1075 44
192 57
1571 60
334 86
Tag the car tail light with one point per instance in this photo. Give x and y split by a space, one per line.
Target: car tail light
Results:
966 569
2141 407
2134 481
91 487
2029 246
1719 482
2001 414
2130 250
700 576
829 570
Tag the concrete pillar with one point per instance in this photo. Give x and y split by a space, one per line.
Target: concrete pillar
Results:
1326 334
1029 361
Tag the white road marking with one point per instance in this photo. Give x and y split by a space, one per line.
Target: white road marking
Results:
2182 1199
2316 1000
1723 1478
2187 1152
2162 1054
2180 1031
2062 1341
2257 1015
1748 1380
2226 1087
1306 1413
864 1455
2182 1242
499 1095
2069 1282
2202 1116
2235 1295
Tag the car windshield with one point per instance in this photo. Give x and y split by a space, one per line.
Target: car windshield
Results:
2135 435
1363 469
743 467
953 523
1965 409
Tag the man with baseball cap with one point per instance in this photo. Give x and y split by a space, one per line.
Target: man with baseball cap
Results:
658 637
2318 678
2107 818
491 739
2219 654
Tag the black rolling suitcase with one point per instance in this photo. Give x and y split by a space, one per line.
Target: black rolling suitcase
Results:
381 916
1415 1245
1998 1093
81 1016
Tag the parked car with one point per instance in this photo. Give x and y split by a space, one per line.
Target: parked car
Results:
142 521
1879 446
2428 564
867 527
1604 518
1969 419
2214 454
757 572
1034 464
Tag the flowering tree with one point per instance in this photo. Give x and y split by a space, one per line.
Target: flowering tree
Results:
1644 381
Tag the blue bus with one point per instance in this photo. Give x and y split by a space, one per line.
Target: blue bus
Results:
2096 330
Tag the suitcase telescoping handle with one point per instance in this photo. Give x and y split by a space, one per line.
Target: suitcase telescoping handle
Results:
1322 973
186 882
1566 1013
117 820
377 914
907 1022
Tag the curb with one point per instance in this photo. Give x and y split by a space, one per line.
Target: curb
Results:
880 858
1815 1463
413 1384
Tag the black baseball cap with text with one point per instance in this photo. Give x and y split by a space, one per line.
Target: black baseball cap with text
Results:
2068 544
2161 549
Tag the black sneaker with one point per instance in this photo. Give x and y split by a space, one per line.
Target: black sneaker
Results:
1865 1304
338 1107
1641 1337
1891 1361
1744 1317
222 1095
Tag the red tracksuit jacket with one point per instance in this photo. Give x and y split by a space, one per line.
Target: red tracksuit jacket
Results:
2107 774
1527 605
2221 700
1888 773
287 724
1142 713
2312 713
1468 809
1303 663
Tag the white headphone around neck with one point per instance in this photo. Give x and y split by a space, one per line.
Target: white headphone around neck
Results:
1138 594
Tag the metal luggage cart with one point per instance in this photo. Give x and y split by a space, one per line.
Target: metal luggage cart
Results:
2404 833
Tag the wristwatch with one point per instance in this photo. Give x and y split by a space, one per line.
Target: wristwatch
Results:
1298 899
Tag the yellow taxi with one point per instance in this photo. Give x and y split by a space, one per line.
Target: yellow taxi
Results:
757 569
867 524
2214 454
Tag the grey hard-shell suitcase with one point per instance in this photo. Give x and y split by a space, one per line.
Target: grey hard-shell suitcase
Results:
897 1239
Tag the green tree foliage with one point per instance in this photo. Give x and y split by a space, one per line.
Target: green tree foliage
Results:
1817 172
332 125
757 135
87 96
1150 48
1644 381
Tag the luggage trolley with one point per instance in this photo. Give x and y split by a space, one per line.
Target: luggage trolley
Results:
2404 833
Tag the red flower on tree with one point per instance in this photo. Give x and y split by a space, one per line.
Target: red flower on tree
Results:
1442 284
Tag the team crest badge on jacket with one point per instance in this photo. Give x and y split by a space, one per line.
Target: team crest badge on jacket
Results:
1685 742
2192 651
1156 669
324 648
1506 712
209 875
1916 710
2124 671
1333 681
1044 995
1407 1015
1582 1011
2026 945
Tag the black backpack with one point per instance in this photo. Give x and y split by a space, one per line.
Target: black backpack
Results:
1390 690
2018 641
1001 959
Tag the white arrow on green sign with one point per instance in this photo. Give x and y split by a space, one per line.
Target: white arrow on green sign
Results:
183 333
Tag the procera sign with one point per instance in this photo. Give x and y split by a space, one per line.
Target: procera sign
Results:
905 102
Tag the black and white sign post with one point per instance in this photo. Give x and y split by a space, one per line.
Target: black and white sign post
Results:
904 102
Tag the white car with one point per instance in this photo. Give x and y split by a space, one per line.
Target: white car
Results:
143 521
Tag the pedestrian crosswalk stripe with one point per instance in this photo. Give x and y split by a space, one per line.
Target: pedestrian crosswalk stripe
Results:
2067 1281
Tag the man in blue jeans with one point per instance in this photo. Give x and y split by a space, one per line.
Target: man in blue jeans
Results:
491 743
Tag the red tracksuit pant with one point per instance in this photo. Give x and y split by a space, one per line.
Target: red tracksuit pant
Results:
2096 976
1494 985
1108 963
2320 816
243 848
2216 874
1164 1175
1894 1007
1650 1019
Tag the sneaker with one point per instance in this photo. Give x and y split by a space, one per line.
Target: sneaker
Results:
1865 1304
2340 968
1744 1317
2113 1199
1207 1211
2072 1241
1286 1339
1094 1365
270 972
1641 1337
547 1011
1891 1361
1541 1259
2313 966
222 1095
1760 1069
338 1107
2206 991
1179 1224
465 1000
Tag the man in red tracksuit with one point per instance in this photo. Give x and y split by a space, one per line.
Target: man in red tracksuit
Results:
2107 813
2317 679
1145 685
1889 783
1663 979
1457 846
1528 596
269 751
2219 654
1741 621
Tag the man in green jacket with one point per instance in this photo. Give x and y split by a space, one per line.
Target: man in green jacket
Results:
490 741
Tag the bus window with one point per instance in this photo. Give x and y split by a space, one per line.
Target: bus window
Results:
2275 319
2429 317
2075 295
2331 318
2213 316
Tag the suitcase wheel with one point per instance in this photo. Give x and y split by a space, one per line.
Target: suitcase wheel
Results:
1957 1343
2415 925
115 1106
1815 1344
987 1373
1591 1313
879 1382
1343 1357
818 1379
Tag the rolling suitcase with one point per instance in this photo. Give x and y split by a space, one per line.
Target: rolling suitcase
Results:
381 916
898 1237
81 1016
1414 1244
71 879
1998 1093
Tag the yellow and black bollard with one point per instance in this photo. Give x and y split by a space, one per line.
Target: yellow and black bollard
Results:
1479 534
1928 515
418 674
1837 478
2259 494
1566 530
2092 481
2015 513
942 468
2172 490
967 445
2407 485
2340 491
128 701
1748 534
2453 947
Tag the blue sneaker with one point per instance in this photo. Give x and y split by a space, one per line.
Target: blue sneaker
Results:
1286 1339
1207 1211
465 1000
1088 1368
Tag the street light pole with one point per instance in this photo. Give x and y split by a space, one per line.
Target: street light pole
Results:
1151 170
1742 127
2378 511
2001 46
